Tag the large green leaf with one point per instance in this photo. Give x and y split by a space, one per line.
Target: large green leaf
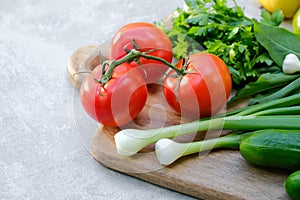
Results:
278 41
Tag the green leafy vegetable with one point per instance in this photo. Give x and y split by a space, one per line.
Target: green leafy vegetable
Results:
224 31
275 19
278 41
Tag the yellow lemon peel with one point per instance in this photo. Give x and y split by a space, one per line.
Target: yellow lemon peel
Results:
289 9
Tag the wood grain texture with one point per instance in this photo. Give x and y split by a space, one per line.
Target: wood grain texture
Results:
84 60
219 174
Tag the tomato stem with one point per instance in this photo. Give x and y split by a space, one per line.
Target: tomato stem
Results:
144 55
133 54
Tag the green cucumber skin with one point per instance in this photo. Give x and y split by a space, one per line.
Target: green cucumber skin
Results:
272 148
292 185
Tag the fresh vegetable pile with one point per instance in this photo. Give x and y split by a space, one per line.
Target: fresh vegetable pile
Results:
258 59
249 48
225 32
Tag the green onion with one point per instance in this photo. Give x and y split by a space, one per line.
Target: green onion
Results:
283 92
267 115
280 111
167 151
282 102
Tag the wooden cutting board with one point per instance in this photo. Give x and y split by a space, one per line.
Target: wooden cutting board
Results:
219 174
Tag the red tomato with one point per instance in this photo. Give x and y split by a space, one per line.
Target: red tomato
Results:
118 101
147 37
201 92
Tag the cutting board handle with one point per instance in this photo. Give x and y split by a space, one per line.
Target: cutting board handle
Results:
83 61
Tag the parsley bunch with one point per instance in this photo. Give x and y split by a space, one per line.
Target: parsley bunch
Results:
215 27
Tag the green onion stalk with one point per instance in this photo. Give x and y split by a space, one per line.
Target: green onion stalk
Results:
283 113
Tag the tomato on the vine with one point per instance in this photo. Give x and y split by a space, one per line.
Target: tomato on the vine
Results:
147 37
118 101
202 90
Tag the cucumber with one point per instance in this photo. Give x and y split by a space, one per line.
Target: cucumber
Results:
292 185
272 148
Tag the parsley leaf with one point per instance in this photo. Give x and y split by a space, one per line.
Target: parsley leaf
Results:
216 27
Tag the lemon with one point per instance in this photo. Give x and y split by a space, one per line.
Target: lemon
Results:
296 22
288 7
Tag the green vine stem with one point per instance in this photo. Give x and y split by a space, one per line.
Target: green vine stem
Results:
133 54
